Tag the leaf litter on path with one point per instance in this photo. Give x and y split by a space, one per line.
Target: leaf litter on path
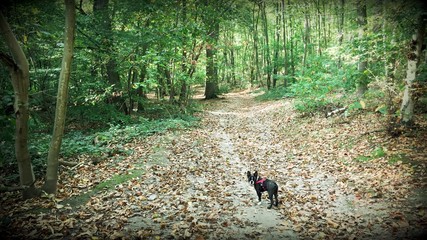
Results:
194 184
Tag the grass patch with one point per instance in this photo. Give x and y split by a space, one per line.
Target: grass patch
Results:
363 158
376 153
106 185
401 158
98 144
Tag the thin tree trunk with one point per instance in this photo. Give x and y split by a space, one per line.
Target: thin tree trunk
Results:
232 60
362 83
19 72
101 12
276 46
183 93
340 30
319 29
407 108
61 100
292 42
267 45
211 88
306 38
325 38
255 20
285 51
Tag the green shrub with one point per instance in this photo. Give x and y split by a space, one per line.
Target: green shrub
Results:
275 94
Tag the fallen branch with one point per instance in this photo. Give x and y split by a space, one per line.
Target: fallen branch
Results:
336 111
68 164
373 131
76 166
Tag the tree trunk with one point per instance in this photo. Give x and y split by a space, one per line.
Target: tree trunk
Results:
211 68
232 61
143 72
276 45
255 70
101 12
285 51
19 72
362 82
61 100
407 108
184 89
306 39
211 21
292 60
340 30
267 44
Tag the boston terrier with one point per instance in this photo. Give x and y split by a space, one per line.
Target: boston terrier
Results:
263 184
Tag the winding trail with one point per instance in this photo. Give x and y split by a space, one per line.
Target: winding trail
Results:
200 190
339 178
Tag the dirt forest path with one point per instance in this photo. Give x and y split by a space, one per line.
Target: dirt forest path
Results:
199 190
215 199
339 178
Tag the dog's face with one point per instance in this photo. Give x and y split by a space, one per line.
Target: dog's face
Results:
252 178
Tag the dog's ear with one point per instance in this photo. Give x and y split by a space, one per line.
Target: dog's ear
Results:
248 174
256 174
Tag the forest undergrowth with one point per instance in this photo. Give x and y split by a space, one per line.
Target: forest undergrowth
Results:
339 178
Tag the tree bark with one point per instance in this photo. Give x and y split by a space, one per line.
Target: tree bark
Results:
407 108
276 45
362 82
267 44
211 67
184 89
255 70
340 30
102 14
306 39
50 185
291 29
19 72
285 51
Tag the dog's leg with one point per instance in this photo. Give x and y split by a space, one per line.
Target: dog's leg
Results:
270 196
277 201
259 197
276 192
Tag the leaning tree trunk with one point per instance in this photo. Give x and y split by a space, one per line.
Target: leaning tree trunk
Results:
19 72
407 108
61 100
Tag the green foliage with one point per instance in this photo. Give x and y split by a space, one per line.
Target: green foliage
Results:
153 45
99 116
275 94
168 110
399 157
223 89
317 88
378 152
103 144
379 98
7 123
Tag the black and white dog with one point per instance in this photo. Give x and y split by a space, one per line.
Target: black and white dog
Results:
263 184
